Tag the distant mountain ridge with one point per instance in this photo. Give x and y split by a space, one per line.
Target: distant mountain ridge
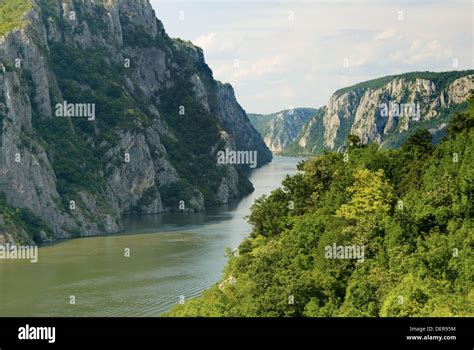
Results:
384 110
281 129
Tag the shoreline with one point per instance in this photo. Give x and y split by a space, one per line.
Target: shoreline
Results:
126 232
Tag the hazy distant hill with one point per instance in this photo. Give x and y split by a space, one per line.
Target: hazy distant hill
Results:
281 129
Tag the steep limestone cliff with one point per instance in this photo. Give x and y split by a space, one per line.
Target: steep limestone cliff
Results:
386 110
281 129
159 119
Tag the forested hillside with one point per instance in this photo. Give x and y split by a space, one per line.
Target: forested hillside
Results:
408 211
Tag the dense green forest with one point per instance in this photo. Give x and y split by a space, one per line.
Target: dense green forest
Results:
11 13
410 210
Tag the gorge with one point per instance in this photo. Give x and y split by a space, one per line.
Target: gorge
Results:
161 120
145 189
385 110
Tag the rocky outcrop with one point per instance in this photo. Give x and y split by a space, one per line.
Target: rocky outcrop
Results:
160 119
386 110
281 129
11 234
234 119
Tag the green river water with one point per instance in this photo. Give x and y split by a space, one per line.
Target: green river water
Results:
171 255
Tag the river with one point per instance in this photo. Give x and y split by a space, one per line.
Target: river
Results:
171 256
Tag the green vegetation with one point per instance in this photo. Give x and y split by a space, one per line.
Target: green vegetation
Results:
137 36
12 14
23 219
197 130
75 164
77 147
315 138
174 193
261 122
440 79
411 209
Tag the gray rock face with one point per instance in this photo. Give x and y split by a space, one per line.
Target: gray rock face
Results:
228 188
281 129
135 163
412 100
235 121
26 177
134 176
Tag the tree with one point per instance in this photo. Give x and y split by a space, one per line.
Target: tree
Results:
354 141
418 144
371 197
417 254
462 121
269 225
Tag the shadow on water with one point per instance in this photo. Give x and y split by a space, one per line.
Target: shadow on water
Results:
168 222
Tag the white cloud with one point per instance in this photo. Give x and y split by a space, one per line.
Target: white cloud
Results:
267 65
218 44
207 41
263 68
422 51
300 62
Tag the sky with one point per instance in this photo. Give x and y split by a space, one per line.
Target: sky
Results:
288 54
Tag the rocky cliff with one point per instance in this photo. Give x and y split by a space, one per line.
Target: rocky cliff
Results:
103 114
281 129
386 110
